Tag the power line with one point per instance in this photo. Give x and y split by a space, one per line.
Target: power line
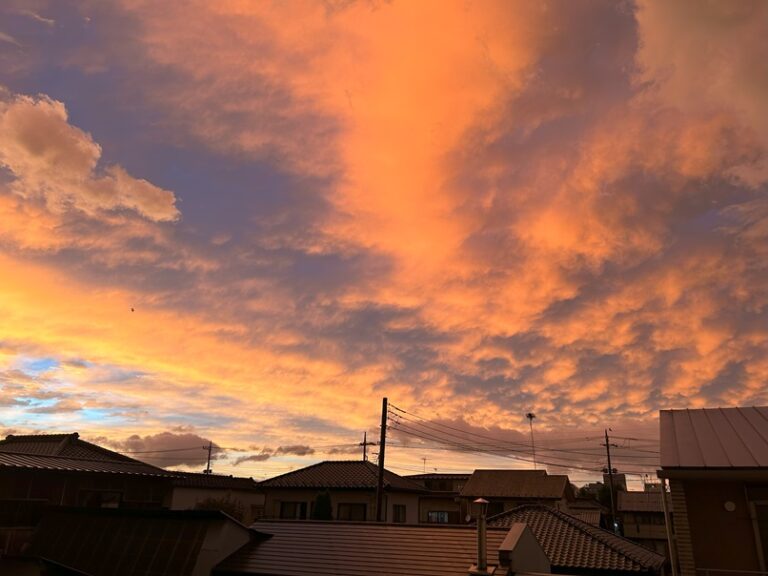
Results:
409 428
496 447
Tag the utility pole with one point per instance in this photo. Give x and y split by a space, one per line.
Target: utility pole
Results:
365 445
382 447
530 417
425 463
208 466
610 483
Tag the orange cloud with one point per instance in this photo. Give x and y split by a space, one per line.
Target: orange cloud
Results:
53 160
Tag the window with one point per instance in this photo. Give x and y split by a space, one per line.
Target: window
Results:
293 510
435 517
398 513
351 512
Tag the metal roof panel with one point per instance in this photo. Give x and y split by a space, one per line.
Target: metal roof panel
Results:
718 438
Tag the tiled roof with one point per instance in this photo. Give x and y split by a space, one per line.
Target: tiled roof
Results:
196 480
714 438
438 476
591 517
62 464
66 452
68 445
640 501
350 474
572 544
124 542
514 484
360 549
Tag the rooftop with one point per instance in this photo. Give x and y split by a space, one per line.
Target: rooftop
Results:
349 474
360 549
198 480
124 542
640 501
67 445
722 438
66 452
515 484
572 544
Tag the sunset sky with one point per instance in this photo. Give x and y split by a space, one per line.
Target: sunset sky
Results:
248 221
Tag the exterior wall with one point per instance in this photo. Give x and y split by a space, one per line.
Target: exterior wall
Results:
84 489
447 504
498 505
720 539
24 494
222 540
275 497
251 502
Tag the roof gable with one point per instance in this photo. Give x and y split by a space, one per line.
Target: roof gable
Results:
570 543
350 474
515 484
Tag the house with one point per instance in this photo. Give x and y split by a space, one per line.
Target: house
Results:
239 497
351 485
38 471
716 462
587 509
441 504
575 547
297 548
641 515
125 542
506 489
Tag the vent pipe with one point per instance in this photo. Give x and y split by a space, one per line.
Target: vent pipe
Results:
482 547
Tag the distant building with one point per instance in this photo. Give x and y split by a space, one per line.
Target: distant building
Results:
441 505
619 481
506 489
39 471
241 497
716 461
641 515
587 509
351 485
579 548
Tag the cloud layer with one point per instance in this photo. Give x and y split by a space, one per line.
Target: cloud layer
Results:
476 209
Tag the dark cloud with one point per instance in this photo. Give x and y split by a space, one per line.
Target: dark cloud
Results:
295 449
167 448
253 458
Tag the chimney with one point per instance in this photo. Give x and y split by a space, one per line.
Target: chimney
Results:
481 567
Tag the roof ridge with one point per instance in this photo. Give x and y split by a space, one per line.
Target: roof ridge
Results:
290 472
375 472
24 436
66 441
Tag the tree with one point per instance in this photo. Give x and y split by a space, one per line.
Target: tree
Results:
323 509
232 507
